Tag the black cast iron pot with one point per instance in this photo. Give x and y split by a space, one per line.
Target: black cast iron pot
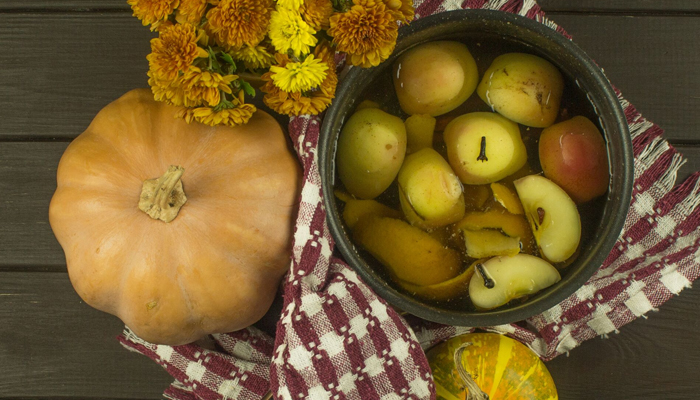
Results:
537 39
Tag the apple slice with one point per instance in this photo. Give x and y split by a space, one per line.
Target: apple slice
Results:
553 216
502 279
448 290
420 129
409 253
490 242
505 197
356 209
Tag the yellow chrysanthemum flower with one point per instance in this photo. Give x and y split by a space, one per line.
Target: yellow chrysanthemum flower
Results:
234 23
289 32
192 11
238 115
204 87
367 32
299 76
297 103
290 4
151 11
317 13
173 51
254 57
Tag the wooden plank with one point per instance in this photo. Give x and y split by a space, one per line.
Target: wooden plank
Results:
82 5
547 5
53 344
619 6
651 59
648 359
27 182
59 70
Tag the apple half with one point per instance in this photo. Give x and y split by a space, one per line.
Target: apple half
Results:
429 191
553 217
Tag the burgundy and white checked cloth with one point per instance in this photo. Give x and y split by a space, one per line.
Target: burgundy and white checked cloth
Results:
337 340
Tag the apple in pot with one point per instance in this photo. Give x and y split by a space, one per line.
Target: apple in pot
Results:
429 191
553 217
484 147
524 88
574 156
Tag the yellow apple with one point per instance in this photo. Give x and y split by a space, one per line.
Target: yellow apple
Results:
371 149
430 192
524 88
484 147
435 77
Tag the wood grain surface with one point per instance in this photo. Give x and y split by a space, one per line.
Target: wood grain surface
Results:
53 344
621 6
103 55
65 67
63 60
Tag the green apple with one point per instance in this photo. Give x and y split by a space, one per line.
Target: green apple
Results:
524 88
553 216
371 149
484 147
499 280
430 192
434 78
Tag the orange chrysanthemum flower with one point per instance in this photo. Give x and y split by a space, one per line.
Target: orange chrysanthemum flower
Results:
317 13
166 91
173 51
403 8
298 103
234 23
192 11
204 87
238 115
151 11
367 32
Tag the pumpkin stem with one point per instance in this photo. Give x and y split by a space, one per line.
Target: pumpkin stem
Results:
474 392
161 198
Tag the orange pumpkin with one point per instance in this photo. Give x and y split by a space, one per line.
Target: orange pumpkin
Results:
501 368
179 229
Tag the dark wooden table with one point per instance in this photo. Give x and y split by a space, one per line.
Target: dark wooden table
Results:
63 60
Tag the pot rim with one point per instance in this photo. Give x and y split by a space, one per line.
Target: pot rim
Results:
612 119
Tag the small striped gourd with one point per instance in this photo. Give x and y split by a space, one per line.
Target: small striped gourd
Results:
503 368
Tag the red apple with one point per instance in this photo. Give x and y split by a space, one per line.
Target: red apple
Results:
573 155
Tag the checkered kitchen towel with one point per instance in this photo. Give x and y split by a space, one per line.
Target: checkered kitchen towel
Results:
337 340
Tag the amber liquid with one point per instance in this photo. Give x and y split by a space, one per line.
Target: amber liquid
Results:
484 50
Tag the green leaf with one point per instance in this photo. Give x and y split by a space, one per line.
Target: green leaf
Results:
223 104
213 63
247 88
227 57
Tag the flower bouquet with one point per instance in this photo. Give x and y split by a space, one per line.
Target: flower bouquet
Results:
208 52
